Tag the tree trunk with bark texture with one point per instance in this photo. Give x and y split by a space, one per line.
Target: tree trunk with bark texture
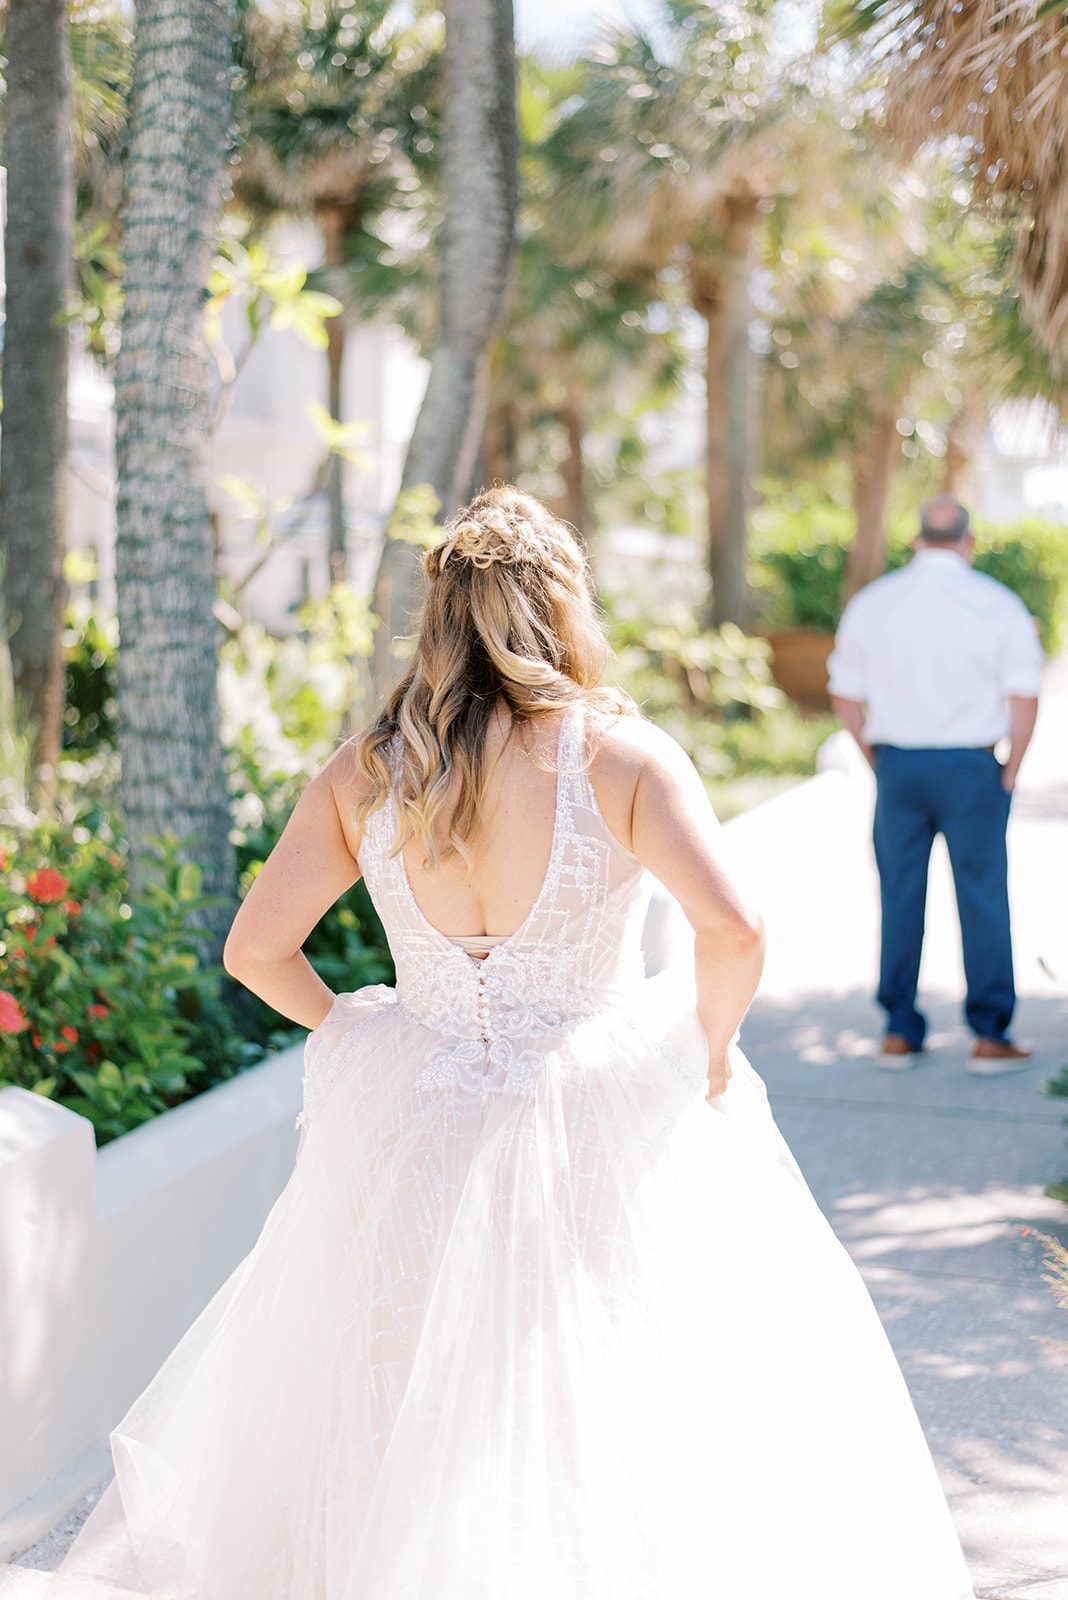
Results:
721 294
173 776
479 145
39 246
573 470
334 222
873 475
963 438
500 443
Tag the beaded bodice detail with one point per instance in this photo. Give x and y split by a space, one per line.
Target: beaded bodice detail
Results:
577 951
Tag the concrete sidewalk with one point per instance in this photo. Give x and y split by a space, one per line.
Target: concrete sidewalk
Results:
930 1175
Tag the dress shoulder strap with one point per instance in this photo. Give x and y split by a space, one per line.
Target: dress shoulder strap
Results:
573 755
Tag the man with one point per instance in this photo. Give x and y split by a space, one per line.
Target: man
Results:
932 666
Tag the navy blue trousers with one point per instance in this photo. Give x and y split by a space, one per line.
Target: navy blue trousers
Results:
958 793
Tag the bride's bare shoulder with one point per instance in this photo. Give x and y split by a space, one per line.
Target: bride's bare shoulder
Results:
341 778
625 744
626 750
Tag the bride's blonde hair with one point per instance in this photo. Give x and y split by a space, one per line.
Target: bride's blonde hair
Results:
509 611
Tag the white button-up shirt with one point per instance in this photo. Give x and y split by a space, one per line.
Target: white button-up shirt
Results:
933 650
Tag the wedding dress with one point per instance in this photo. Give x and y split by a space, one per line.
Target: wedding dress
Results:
532 1318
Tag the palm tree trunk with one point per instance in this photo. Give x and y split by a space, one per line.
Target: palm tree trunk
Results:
500 441
39 247
873 475
479 176
333 223
723 298
963 436
173 776
573 469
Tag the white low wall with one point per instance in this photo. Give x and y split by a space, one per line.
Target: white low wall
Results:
107 1257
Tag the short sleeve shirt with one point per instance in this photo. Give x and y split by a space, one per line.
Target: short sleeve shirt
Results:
933 651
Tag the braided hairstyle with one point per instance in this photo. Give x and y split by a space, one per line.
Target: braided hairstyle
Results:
509 613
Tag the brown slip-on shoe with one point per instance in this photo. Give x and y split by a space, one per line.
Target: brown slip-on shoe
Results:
990 1058
896 1054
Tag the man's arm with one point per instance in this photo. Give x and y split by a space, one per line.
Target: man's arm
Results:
1021 664
1023 709
851 715
847 677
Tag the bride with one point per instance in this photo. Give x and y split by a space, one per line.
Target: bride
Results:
546 1310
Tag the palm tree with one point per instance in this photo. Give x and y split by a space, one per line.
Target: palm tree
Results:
996 354
338 113
577 356
479 180
172 772
860 303
993 73
894 319
38 155
101 41
674 154
578 353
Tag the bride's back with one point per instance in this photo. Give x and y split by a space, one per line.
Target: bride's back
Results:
513 847
512 851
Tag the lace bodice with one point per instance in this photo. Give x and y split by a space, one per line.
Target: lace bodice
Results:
576 952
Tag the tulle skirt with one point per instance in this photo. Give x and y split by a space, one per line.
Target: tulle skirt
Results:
586 1337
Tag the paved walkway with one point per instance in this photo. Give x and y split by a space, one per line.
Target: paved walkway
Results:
929 1175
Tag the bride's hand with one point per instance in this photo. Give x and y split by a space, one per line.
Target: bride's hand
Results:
719 1074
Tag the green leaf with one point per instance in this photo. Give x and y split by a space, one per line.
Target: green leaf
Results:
190 878
84 1107
338 438
109 1077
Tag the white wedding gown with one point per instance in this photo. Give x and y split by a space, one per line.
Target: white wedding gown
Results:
532 1319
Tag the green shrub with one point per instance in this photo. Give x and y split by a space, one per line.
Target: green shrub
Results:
284 698
1031 558
800 552
103 1004
798 567
713 692
90 645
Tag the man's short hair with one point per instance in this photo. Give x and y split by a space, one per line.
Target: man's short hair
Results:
943 520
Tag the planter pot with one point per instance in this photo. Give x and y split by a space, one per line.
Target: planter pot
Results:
799 665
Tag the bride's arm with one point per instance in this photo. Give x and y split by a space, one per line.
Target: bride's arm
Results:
675 833
311 866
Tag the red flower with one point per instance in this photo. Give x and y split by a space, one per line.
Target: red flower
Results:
4 858
97 1011
46 885
70 1033
35 1039
73 908
60 1048
12 1017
